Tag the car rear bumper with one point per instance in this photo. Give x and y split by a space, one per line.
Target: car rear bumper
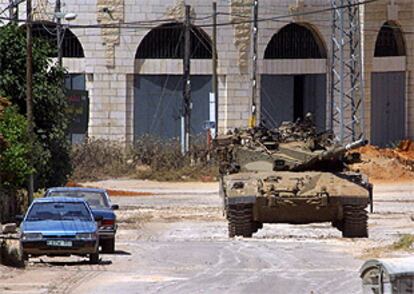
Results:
79 247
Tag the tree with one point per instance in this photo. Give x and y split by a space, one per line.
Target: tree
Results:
14 164
52 161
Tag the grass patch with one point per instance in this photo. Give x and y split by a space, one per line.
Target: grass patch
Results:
404 243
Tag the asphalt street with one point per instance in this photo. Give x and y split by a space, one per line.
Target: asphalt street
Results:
176 242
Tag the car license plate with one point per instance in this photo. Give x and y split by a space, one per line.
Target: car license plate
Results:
59 243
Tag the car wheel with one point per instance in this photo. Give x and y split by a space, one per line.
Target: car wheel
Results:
94 258
108 245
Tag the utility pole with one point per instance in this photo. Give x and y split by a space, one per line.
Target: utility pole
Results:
29 91
11 9
58 31
14 10
215 78
253 109
187 104
347 85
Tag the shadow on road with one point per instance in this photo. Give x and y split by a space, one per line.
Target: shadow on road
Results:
72 263
117 252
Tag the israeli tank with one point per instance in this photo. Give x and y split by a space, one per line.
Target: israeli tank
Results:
291 174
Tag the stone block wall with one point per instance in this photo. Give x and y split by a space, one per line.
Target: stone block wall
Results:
110 63
375 15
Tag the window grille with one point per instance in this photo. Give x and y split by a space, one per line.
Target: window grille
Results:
71 47
390 41
167 41
295 42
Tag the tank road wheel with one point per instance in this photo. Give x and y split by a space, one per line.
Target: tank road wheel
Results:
240 218
355 223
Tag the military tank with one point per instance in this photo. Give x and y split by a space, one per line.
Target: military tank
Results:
291 174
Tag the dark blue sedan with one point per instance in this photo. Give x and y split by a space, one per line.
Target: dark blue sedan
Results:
101 206
59 226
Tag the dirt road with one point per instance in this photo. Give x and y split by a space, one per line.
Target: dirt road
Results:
176 242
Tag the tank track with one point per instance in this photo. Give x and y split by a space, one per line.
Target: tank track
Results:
355 222
240 220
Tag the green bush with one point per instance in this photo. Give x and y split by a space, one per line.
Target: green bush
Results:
14 165
51 153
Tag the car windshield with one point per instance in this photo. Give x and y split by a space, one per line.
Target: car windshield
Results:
59 211
94 199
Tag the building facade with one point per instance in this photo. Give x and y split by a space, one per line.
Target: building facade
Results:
132 74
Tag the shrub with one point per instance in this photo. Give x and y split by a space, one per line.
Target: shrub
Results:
99 159
149 158
49 102
14 165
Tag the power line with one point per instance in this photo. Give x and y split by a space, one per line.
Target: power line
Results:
204 42
317 11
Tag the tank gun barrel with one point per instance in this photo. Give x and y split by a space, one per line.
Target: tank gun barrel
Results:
337 151
334 152
356 144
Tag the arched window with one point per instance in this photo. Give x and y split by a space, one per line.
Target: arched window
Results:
71 47
390 41
295 41
167 41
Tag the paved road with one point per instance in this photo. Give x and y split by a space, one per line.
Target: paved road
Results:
176 242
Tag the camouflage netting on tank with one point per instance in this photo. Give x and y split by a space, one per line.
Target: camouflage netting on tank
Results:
303 131
294 146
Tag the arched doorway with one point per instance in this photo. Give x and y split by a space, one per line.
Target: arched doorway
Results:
289 96
75 82
158 94
388 86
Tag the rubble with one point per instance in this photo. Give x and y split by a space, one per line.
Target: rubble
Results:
387 164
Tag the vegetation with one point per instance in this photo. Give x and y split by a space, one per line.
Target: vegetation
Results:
14 165
51 149
404 243
149 158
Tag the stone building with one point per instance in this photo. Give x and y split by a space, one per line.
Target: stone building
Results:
132 74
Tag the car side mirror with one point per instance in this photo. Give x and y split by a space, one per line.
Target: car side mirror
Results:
115 206
98 218
19 218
